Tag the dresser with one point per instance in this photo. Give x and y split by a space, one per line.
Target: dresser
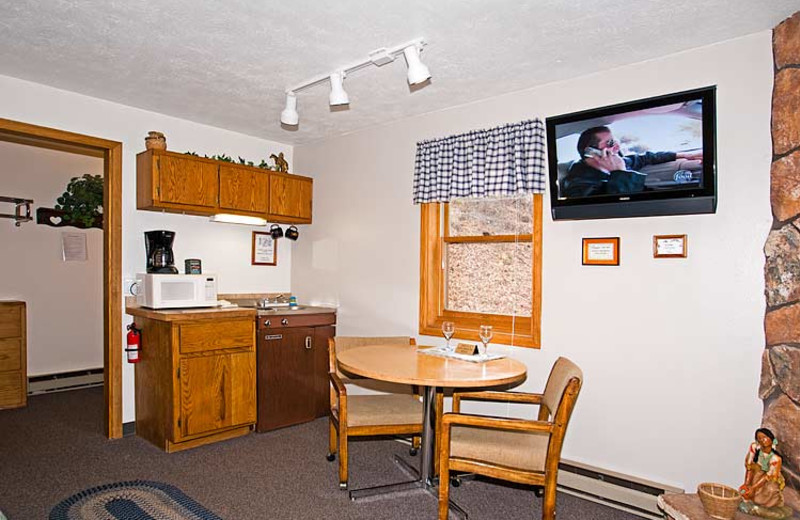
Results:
13 355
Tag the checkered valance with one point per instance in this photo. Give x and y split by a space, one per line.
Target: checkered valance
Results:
505 160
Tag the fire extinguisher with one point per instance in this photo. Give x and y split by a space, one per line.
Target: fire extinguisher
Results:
134 343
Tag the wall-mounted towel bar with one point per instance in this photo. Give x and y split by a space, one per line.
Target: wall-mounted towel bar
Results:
22 209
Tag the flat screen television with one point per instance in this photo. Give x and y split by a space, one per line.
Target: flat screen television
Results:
649 157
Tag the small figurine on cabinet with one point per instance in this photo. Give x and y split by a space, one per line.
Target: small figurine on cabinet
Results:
280 163
762 491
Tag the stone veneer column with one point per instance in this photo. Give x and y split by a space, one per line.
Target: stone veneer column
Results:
780 370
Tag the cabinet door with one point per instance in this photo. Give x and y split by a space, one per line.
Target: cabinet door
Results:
286 392
290 197
321 335
243 190
216 392
186 181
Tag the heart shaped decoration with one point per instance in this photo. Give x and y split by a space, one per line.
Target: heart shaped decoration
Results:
55 220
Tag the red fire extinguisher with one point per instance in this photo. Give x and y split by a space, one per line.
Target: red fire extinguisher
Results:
134 343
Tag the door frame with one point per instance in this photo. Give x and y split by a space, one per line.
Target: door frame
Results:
111 153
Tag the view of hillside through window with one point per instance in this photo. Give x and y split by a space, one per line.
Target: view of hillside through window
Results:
484 274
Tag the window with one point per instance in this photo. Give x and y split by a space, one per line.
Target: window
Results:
480 264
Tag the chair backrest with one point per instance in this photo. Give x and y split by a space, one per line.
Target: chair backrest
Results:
343 343
562 372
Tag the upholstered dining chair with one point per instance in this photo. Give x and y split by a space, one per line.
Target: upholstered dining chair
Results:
396 414
517 450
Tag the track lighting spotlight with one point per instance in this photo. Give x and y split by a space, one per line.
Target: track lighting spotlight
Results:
289 116
417 71
338 95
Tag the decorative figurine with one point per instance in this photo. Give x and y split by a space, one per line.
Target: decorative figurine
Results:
280 163
762 491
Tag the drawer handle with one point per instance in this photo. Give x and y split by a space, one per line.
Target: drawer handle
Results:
308 342
272 337
267 323
284 322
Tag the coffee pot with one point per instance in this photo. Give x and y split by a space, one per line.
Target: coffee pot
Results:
158 246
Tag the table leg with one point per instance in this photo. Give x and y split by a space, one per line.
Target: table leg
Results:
424 480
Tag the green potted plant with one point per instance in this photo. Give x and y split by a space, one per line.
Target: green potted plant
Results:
82 202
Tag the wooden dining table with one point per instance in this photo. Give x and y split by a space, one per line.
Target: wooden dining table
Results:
407 364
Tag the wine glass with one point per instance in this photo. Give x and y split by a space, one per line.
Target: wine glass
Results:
448 329
485 335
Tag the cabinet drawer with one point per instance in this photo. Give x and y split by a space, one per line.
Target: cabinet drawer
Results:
10 321
215 335
12 390
280 321
9 354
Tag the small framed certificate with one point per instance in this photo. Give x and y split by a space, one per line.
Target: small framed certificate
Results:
601 251
669 246
265 250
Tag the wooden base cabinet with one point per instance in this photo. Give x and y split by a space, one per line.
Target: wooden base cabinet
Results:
195 381
13 355
293 369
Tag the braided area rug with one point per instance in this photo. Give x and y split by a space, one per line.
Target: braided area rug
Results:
131 500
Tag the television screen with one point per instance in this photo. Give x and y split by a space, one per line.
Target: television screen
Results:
648 157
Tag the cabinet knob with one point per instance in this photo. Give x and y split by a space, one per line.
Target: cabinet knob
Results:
284 322
267 323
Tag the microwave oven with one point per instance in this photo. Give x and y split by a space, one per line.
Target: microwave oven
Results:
174 291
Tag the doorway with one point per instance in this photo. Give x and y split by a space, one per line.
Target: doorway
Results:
111 153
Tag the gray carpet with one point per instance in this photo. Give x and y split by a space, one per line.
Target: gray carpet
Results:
55 448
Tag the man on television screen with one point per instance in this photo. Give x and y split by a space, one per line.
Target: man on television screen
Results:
603 170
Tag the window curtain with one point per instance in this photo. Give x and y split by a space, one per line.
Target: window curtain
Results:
505 160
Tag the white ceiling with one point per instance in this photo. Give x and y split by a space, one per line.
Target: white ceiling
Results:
228 63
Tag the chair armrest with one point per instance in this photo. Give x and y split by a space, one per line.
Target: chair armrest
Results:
337 384
497 423
513 397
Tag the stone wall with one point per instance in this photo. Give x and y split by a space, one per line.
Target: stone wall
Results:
780 370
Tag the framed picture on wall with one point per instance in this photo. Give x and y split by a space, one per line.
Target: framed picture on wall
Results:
265 249
601 251
669 246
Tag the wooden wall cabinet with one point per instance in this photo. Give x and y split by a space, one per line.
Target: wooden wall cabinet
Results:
13 355
180 183
195 381
293 368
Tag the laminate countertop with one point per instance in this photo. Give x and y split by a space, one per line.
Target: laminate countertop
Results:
205 313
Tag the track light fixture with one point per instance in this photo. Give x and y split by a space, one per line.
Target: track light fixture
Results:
338 95
417 73
289 115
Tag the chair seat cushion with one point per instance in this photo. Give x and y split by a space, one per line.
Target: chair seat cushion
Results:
520 450
371 410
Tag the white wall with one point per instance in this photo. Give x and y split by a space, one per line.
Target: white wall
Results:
64 299
670 348
223 248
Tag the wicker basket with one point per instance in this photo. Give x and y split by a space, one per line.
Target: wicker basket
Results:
718 500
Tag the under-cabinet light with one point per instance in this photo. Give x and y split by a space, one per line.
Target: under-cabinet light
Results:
238 219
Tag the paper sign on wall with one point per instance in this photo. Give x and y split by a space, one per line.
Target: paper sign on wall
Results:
73 247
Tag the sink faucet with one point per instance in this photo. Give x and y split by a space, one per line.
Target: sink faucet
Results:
282 298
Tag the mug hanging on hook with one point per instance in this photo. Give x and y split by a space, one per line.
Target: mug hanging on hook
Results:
292 233
276 231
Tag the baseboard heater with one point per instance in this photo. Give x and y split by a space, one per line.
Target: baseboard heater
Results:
65 381
632 494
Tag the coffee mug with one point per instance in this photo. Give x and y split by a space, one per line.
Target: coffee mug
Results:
292 233
276 231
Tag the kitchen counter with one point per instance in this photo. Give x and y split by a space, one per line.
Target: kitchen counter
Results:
219 312
202 313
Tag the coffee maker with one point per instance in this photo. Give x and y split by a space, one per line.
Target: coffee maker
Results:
158 245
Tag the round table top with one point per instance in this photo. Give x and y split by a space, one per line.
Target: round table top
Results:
402 364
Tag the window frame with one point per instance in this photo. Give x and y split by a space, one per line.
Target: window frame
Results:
508 330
